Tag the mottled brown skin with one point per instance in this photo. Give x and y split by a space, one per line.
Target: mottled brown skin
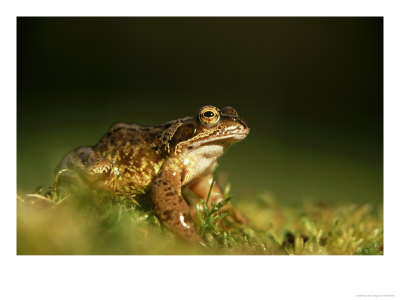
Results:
131 159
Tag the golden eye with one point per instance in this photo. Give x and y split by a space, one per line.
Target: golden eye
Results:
209 115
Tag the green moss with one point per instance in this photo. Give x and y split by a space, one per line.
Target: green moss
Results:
51 221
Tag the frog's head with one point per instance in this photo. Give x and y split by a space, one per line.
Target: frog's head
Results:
210 127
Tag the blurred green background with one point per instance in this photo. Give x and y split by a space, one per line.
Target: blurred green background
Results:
310 88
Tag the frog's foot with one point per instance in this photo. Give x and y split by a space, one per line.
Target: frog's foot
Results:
171 208
201 187
235 213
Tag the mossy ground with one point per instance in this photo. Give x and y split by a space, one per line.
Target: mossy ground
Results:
94 223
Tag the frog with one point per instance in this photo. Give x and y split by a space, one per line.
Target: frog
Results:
161 161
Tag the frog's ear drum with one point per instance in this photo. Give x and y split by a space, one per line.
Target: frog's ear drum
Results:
209 115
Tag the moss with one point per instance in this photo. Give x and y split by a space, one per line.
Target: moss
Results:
52 221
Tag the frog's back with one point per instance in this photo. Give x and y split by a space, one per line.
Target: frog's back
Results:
127 158
135 155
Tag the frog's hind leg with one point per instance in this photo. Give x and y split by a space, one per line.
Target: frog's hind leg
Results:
84 165
171 208
201 187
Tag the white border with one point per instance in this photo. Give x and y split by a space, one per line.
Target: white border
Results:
250 277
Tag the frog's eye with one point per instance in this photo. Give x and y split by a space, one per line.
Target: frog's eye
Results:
209 115
229 111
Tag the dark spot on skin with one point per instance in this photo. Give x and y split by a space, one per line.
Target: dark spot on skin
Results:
190 147
170 194
167 126
165 183
187 217
168 214
130 130
183 133
164 138
117 129
108 134
155 148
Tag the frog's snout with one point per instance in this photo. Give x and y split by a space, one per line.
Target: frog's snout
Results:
244 124
245 127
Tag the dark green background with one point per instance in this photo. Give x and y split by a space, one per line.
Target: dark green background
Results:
310 88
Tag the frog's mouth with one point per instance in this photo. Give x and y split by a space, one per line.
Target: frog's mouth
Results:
223 139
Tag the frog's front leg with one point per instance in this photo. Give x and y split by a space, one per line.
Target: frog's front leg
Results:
171 208
201 187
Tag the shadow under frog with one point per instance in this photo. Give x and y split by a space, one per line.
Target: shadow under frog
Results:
131 159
